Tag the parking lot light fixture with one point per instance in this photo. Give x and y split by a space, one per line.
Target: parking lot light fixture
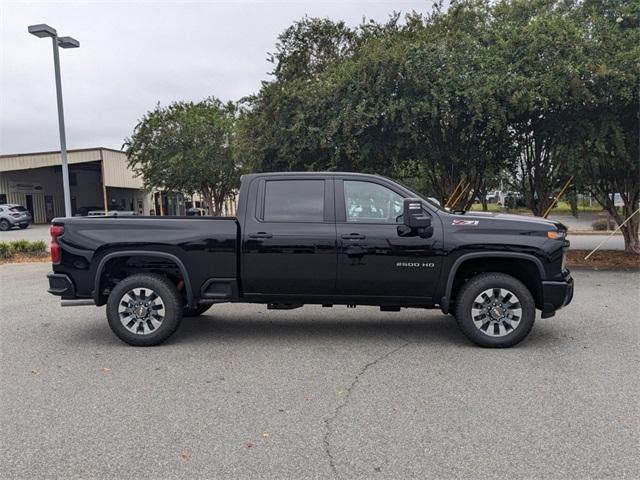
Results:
68 42
42 31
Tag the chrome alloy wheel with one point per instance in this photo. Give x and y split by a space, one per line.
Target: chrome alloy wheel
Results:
141 311
496 312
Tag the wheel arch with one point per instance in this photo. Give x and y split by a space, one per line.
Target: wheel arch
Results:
142 253
495 261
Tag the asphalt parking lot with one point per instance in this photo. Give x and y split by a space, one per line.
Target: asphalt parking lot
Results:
243 392
31 233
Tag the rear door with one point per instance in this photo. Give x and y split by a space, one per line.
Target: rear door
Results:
289 237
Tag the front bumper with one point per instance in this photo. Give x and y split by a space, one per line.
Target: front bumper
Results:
556 295
61 285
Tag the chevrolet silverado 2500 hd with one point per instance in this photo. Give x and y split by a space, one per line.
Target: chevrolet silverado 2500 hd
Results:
316 238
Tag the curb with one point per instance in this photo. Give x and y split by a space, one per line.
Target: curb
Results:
591 232
610 268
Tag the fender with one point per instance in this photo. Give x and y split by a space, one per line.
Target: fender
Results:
467 256
146 253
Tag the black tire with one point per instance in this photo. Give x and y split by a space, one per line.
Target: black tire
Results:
472 290
4 225
169 297
195 312
23 226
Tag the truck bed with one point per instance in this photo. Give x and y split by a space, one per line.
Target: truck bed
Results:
197 243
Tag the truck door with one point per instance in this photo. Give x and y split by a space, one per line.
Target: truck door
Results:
374 260
289 237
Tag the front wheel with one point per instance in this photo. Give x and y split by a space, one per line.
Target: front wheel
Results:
144 309
495 310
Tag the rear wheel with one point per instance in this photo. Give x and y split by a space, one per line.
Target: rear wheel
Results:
195 311
495 310
144 309
4 225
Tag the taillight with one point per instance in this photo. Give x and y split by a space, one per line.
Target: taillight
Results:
56 231
16 215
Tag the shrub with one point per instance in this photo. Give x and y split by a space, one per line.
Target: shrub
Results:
603 224
20 246
10 249
37 246
6 251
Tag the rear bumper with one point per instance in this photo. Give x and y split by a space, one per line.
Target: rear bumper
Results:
61 285
19 220
16 222
556 295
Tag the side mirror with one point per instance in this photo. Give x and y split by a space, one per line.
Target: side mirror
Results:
415 218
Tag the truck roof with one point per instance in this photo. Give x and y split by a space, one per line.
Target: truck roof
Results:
319 174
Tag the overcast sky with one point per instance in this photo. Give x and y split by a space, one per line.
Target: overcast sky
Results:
134 54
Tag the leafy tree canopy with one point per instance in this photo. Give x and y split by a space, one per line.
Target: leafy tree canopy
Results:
187 147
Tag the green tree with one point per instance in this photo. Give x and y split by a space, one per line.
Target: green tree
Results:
535 90
187 147
457 124
408 101
309 46
537 57
606 123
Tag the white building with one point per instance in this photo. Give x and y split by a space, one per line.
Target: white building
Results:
99 177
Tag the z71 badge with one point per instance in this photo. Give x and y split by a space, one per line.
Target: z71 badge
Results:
465 222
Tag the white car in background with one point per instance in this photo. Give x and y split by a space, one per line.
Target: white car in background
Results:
13 215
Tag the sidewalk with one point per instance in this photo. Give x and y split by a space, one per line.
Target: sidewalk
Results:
589 242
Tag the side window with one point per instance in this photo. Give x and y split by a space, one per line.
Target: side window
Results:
294 201
368 202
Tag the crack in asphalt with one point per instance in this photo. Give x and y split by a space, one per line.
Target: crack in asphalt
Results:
329 421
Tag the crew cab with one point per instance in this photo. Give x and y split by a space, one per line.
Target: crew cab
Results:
316 238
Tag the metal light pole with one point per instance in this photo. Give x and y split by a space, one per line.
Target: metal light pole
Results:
43 31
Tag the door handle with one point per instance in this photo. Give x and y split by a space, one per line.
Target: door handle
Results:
260 235
353 236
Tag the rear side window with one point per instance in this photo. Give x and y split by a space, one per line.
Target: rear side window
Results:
294 201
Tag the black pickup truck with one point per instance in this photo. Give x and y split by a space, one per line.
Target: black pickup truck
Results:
316 238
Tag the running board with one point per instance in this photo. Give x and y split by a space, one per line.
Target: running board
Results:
284 306
77 303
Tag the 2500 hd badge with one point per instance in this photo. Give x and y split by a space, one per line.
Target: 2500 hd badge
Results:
416 264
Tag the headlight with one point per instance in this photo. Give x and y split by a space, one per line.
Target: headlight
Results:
559 235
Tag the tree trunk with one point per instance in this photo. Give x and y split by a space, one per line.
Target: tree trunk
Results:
630 234
212 207
218 202
630 229
208 198
573 202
